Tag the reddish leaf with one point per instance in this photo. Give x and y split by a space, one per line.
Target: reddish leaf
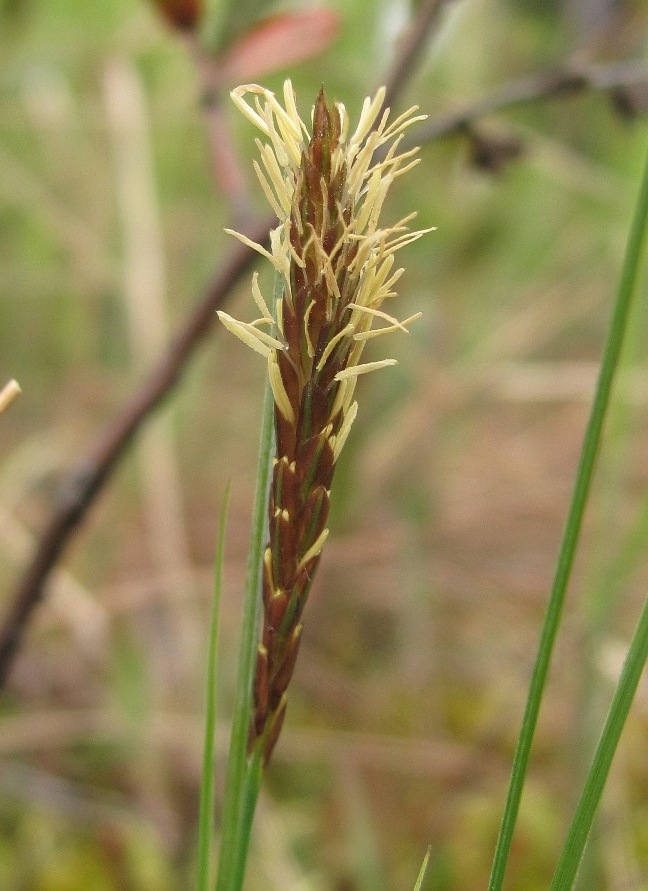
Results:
279 41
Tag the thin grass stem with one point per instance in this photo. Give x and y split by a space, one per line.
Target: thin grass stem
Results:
233 831
591 443
206 813
250 795
424 866
633 667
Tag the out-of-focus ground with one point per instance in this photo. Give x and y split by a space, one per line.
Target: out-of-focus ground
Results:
448 504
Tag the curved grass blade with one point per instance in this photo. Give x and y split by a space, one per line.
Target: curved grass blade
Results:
591 443
206 813
250 794
633 667
237 819
421 875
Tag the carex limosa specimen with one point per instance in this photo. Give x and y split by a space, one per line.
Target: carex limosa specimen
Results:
335 267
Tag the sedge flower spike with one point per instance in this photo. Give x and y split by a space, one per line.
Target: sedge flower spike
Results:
336 269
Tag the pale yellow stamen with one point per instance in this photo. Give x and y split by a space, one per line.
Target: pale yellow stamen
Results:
402 122
280 255
263 336
358 170
396 326
282 188
333 342
284 119
397 243
245 109
278 389
279 146
395 277
356 352
291 107
406 168
382 269
369 113
252 244
340 397
377 194
345 429
314 550
293 253
258 298
357 370
325 211
258 340
348 394
368 278
391 160
377 313
331 279
371 292
8 394
373 191
280 316
250 336
267 191
310 349
344 121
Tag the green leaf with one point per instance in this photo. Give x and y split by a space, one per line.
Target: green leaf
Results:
591 443
243 777
623 695
206 812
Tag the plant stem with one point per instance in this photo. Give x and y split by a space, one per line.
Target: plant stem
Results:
421 875
579 830
206 813
571 533
249 800
237 819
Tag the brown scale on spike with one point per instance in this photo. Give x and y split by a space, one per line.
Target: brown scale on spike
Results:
335 263
299 497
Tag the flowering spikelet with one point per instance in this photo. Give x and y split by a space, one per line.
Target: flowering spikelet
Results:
336 269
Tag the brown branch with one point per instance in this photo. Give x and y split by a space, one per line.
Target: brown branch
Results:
552 83
79 488
411 47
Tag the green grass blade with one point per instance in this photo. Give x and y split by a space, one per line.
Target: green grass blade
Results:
250 795
571 534
421 875
230 877
206 812
623 695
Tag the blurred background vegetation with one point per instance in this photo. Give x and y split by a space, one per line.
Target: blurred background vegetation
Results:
450 497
